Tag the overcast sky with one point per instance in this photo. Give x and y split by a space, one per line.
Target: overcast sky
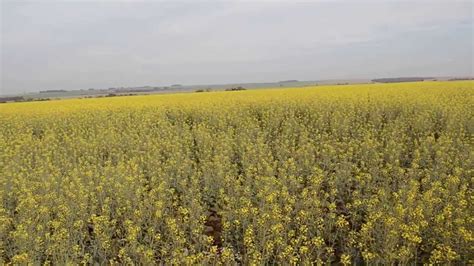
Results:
100 44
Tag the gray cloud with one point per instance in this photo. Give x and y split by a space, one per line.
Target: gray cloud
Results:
74 45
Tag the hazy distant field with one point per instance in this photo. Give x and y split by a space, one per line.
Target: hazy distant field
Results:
360 173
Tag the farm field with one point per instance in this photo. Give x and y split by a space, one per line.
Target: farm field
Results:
376 174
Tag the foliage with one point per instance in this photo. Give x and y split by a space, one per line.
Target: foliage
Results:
235 89
378 174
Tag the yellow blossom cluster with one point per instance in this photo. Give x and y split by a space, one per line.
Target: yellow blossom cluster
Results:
378 174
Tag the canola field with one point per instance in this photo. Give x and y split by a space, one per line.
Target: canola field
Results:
376 174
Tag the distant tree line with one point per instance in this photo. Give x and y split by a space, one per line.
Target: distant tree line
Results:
403 79
235 89
21 99
456 79
228 89
52 91
203 90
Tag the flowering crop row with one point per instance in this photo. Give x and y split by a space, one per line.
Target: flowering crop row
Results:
376 174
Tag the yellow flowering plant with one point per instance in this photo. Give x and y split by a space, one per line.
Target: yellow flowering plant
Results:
376 174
